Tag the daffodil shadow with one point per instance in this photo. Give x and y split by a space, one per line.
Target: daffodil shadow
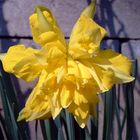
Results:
108 18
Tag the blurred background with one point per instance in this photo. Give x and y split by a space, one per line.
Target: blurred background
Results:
121 18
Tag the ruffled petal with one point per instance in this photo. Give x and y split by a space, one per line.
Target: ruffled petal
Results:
25 63
86 35
81 113
55 103
44 27
55 54
69 77
86 94
52 86
79 98
67 93
38 105
115 64
47 33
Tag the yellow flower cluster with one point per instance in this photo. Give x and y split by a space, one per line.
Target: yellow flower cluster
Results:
70 74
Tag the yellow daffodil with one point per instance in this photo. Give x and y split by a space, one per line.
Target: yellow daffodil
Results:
70 75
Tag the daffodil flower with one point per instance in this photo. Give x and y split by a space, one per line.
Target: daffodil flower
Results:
70 75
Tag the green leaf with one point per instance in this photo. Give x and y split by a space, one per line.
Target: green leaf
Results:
70 126
15 131
46 129
109 105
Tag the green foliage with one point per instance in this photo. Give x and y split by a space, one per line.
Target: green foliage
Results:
64 126
13 130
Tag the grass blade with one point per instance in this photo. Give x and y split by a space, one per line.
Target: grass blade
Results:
11 107
46 129
70 126
108 113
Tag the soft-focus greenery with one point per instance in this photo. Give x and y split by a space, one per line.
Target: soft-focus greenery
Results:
64 126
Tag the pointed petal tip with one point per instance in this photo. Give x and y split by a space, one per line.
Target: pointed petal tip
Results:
55 112
41 8
83 125
42 20
90 9
20 118
80 122
131 79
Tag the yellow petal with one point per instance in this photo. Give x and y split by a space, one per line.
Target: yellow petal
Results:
79 98
44 26
86 94
66 94
54 54
52 88
60 74
57 69
90 10
73 68
81 113
116 63
2 55
56 103
23 62
89 92
99 79
107 79
38 104
84 72
85 38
